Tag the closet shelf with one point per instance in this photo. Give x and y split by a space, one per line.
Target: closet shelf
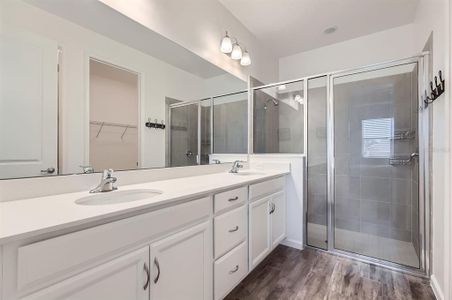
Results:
100 123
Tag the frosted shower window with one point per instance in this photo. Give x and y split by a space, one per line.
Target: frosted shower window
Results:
377 134
278 123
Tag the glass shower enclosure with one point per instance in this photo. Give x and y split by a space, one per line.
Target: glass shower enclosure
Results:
367 148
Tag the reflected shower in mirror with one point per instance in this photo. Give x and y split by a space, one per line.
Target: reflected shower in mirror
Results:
76 95
279 114
230 133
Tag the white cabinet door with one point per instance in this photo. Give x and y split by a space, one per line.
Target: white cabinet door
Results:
259 230
181 265
125 277
278 218
28 104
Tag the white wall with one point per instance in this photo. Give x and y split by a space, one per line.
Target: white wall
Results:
157 81
374 48
199 25
433 16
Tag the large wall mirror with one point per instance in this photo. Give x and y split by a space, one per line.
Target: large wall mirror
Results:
84 88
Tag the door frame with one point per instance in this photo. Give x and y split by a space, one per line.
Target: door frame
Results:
110 61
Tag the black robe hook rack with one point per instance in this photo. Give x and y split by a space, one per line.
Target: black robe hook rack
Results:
155 124
436 89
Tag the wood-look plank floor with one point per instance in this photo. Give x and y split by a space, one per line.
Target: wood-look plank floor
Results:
288 273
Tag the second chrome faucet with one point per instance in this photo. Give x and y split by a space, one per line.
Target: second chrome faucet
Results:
107 183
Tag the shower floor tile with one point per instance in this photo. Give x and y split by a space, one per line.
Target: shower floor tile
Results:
366 244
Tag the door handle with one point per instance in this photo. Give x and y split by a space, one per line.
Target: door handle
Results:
234 229
156 263
148 276
48 171
234 270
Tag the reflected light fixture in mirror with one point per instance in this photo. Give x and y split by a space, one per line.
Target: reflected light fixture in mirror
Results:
236 53
226 44
246 59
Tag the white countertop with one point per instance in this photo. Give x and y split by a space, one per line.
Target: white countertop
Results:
30 217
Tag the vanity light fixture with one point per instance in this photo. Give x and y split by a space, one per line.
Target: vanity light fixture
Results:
226 44
230 47
246 59
236 53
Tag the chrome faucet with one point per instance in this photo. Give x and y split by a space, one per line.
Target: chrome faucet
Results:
106 184
236 165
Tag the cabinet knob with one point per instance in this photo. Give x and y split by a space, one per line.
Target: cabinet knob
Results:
233 199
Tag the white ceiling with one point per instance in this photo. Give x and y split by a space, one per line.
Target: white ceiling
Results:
291 26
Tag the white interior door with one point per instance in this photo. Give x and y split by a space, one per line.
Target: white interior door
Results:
28 105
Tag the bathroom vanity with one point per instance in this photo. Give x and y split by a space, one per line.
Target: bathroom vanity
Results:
196 239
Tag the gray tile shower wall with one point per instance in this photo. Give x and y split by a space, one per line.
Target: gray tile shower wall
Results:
371 195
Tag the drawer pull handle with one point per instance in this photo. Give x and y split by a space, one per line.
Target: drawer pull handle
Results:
233 199
148 276
235 270
273 208
234 229
156 263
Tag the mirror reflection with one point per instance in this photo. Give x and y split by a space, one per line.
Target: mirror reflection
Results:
278 115
78 96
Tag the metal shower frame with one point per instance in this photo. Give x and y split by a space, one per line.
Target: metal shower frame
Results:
424 159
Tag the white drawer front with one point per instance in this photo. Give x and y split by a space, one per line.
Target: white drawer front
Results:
40 263
265 188
229 270
230 230
225 200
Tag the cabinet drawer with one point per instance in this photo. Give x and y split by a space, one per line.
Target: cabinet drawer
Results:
230 230
229 270
42 263
225 200
265 188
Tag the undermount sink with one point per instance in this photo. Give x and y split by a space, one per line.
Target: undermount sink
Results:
115 197
248 173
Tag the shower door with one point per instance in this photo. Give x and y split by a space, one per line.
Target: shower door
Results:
184 132
374 164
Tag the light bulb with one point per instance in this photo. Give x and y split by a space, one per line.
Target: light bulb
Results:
246 59
236 52
226 44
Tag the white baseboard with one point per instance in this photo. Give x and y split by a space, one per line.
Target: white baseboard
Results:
436 288
293 244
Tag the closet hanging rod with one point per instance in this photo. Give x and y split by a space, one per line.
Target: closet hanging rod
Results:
112 124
